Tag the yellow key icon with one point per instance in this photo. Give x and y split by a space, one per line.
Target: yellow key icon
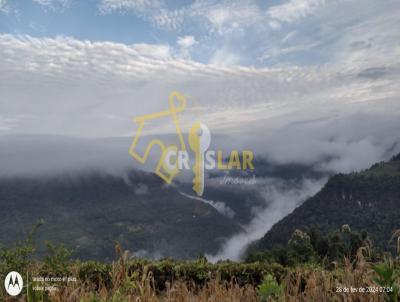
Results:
199 142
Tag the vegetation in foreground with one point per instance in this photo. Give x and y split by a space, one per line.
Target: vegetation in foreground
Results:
311 267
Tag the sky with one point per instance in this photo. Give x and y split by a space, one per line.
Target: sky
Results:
299 80
250 33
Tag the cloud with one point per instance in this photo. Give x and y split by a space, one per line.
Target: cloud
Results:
216 16
53 3
7 123
228 16
65 86
186 44
371 43
153 51
153 10
294 10
186 41
277 52
220 206
40 155
336 142
3 6
225 57
242 29
142 6
168 19
281 199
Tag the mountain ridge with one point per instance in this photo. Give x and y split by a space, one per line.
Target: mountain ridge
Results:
367 200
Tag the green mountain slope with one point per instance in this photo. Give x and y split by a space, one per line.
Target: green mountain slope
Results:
369 200
89 213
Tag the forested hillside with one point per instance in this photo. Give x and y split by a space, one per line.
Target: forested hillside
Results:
368 200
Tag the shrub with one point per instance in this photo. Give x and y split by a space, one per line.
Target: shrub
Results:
269 289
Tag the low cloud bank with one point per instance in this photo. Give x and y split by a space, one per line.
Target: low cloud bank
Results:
281 199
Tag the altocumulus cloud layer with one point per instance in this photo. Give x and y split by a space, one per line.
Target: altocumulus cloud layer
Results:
341 109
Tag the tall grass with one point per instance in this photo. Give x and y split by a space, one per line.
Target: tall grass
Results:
123 281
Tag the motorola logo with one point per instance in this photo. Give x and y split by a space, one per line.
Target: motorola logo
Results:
13 283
